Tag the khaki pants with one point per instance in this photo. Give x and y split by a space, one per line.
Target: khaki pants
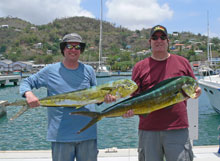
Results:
173 145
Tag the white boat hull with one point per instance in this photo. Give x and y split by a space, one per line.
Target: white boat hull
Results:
211 86
103 74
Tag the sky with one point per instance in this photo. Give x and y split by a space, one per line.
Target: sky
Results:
176 15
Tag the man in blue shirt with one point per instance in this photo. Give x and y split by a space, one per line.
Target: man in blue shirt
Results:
66 76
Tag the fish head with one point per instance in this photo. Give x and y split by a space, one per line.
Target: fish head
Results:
125 87
189 86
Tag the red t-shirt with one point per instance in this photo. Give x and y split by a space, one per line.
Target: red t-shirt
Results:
149 72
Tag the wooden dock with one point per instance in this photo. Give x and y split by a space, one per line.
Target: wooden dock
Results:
6 79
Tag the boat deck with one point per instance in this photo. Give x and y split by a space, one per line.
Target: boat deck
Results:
202 153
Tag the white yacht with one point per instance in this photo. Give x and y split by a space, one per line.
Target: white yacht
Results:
102 71
211 86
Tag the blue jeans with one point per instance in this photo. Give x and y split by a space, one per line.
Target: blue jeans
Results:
69 151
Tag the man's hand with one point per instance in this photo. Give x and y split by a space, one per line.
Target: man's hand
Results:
109 98
31 99
198 92
128 114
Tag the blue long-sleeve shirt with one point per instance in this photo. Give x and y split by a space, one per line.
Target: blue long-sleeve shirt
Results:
58 79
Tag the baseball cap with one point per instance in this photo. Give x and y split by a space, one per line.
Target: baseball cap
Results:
72 37
158 28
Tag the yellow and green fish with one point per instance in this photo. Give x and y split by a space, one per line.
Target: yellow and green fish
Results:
162 95
120 88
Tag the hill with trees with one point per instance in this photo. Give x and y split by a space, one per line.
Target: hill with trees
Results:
23 41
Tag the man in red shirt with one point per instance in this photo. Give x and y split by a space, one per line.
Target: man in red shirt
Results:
162 133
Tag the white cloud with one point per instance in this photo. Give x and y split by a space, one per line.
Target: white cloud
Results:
137 14
42 11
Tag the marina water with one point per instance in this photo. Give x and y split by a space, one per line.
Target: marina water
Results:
28 132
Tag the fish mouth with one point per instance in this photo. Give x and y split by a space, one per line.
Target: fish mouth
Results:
189 95
184 93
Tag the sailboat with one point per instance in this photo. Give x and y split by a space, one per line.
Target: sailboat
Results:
102 70
206 70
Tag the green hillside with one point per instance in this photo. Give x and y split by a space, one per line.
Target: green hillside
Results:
21 40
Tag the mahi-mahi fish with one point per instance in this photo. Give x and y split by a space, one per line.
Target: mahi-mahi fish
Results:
162 95
119 88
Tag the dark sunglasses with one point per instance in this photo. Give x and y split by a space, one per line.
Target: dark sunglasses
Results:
69 46
163 37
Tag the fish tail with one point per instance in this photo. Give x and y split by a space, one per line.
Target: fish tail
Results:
17 103
19 113
96 116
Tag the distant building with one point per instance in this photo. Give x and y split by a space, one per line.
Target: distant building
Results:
134 35
4 65
4 26
179 47
198 52
143 52
20 66
176 41
128 47
179 44
37 67
188 47
38 45
9 66
175 34
18 30
172 48
91 48
49 52
33 28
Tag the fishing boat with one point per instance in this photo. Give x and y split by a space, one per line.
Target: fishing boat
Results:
102 70
211 86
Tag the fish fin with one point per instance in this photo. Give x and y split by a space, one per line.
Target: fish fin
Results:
144 115
169 106
96 116
85 113
107 88
19 113
78 106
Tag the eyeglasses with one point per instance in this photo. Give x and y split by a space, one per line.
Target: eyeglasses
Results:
163 37
69 46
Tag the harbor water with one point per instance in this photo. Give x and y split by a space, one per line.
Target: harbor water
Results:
28 132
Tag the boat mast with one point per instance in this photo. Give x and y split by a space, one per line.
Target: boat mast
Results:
100 39
208 35
209 50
